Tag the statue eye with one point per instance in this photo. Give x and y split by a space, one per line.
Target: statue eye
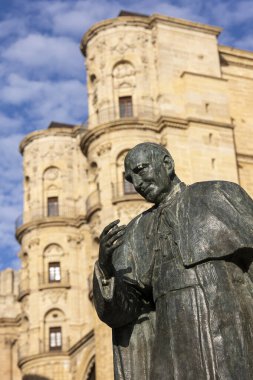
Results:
140 169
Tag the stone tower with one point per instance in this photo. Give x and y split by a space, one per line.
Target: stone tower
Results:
56 322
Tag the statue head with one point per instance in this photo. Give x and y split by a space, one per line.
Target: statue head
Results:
150 168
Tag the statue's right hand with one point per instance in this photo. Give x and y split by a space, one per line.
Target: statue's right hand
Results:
110 239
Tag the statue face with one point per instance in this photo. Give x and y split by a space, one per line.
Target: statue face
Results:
150 174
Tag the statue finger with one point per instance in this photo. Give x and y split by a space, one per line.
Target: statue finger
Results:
115 230
118 243
116 237
110 226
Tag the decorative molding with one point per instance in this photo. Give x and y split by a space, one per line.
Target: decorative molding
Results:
51 173
104 148
147 22
130 124
77 239
53 250
122 46
245 158
54 295
42 223
123 70
34 242
61 131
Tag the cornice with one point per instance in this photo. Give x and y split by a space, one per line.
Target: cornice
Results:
214 123
185 24
206 76
59 131
45 355
147 22
110 23
155 126
236 57
44 223
82 342
245 158
10 322
58 354
117 125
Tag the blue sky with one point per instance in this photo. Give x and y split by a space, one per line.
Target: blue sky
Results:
43 78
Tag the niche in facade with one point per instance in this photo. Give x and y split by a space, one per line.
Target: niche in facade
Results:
124 82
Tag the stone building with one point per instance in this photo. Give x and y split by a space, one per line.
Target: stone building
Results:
149 78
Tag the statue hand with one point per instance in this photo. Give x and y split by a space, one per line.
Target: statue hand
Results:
110 239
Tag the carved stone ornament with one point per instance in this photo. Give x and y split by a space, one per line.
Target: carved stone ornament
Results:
51 173
77 239
54 295
122 46
104 148
124 69
101 46
33 242
53 250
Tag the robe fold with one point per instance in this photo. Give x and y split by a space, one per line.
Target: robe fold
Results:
181 301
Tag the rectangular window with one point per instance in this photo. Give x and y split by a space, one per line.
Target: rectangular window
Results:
52 206
125 106
128 187
54 272
55 339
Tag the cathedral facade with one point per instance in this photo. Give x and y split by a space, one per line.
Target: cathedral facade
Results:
149 78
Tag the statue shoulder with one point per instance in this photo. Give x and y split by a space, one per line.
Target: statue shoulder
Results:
211 189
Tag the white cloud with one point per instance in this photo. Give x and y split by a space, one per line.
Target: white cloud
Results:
11 27
53 55
72 18
63 100
10 196
9 125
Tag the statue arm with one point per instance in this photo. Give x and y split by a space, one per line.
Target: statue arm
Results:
117 302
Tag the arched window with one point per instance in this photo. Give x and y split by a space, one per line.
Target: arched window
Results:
52 264
92 374
51 188
55 331
124 83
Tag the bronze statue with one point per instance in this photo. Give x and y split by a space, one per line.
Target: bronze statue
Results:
175 284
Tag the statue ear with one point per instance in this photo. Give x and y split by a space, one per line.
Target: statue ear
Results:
169 165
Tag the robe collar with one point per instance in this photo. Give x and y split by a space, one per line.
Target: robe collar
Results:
172 195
